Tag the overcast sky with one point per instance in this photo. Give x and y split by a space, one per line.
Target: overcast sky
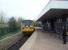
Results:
28 9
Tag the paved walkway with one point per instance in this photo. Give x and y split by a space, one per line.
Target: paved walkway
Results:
46 41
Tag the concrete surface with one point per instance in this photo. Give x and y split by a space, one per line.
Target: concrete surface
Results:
47 41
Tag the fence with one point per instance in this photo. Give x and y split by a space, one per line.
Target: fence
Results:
6 30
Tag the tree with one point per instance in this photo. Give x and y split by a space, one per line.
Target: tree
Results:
2 17
19 22
12 24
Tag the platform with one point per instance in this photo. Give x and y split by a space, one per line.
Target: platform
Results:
47 41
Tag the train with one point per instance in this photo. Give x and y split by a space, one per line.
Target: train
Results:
27 27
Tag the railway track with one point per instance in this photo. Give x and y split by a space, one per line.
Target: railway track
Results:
19 43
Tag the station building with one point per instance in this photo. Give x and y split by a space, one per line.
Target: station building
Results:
55 16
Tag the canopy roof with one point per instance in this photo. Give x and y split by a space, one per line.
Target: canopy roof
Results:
54 13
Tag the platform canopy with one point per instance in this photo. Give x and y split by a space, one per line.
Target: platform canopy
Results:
54 13
55 9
